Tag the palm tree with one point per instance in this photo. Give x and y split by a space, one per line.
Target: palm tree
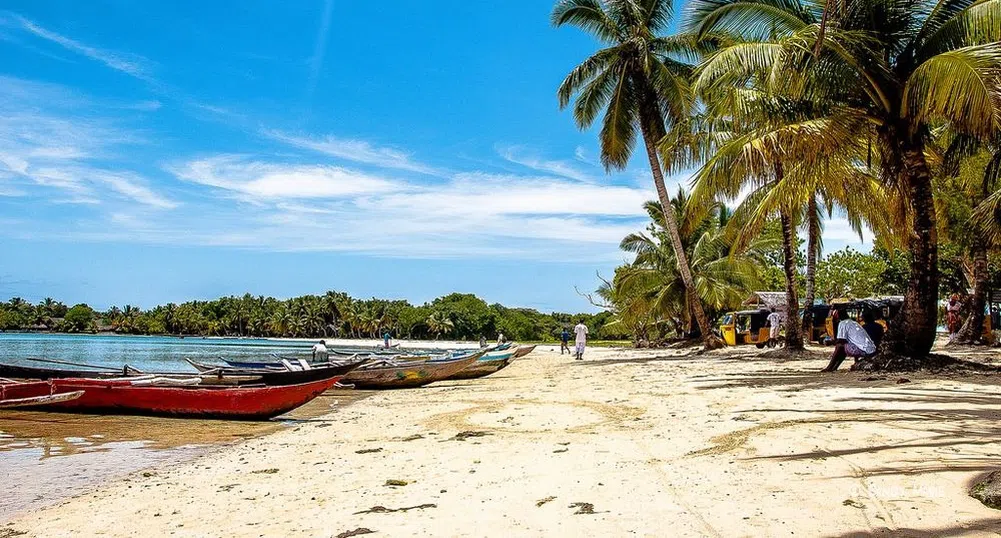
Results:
899 66
439 324
648 292
640 83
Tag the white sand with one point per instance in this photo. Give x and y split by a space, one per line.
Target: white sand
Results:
725 444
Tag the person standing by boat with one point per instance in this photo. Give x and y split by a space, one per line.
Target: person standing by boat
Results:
320 353
385 339
581 341
501 339
564 341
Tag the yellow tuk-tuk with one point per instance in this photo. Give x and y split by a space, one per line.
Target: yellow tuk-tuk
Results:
884 309
745 327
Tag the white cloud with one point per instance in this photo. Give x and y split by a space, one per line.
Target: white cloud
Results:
131 64
518 155
271 181
358 151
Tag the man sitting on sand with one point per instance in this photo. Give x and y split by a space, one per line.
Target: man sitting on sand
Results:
852 341
320 351
581 331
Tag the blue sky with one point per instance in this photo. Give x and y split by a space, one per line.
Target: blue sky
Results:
166 151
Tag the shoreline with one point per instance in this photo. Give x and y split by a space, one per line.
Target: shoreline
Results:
722 444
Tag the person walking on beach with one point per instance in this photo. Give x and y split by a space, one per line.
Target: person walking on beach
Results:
852 341
385 339
774 323
952 315
581 341
564 341
320 351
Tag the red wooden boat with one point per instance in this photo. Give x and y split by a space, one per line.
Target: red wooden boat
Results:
131 397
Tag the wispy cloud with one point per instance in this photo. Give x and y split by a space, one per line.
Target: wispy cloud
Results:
130 64
50 146
275 181
320 49
518 155
358 151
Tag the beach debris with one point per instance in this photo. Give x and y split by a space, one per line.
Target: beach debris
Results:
357 532
227 487
11 533
265 471
582 508
368 450
988 490
903 380
393 482
413 437
853 503
541 502
559 450
462 436
384 510
564 444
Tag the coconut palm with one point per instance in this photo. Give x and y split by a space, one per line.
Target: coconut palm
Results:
649 291
898 66
439 323
641 82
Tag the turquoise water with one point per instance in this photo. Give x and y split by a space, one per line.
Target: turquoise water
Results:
149 353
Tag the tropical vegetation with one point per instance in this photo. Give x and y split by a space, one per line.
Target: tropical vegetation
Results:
884 112
334 314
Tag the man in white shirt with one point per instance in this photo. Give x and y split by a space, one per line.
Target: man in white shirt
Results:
320 351
852 341
774 324
581 331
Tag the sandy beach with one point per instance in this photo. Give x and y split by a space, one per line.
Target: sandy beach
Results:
627 442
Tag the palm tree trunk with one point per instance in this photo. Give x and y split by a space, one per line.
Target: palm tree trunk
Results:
920 312
973 329
812 244
650 116
794 333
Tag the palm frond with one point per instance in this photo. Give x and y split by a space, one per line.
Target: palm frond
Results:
960 86
588 15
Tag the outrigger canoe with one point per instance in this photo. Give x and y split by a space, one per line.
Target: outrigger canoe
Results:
19 394
523 350
407 375
134 397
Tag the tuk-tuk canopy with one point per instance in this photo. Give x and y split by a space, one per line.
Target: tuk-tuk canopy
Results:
771 299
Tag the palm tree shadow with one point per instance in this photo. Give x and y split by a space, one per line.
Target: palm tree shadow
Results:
987 525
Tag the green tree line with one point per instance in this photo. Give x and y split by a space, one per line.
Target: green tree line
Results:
334 314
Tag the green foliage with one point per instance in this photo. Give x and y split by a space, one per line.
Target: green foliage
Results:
80 318
849 273
454 316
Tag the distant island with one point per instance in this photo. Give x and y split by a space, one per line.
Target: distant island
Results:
334 314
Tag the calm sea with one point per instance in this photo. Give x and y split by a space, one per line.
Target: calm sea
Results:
149 353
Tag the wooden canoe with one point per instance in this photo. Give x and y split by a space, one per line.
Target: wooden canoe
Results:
17 394
407 375
523 350
481 368
122 396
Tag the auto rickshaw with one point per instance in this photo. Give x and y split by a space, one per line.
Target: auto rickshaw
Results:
818 331
884 308
745 327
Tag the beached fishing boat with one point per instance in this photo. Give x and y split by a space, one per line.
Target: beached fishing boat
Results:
407 375
481 368
26 394
135 397
208 374
523 350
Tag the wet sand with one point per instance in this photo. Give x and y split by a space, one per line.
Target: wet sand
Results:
628 442
47 457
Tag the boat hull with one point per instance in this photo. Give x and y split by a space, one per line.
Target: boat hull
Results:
416 374
481 368
235 403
